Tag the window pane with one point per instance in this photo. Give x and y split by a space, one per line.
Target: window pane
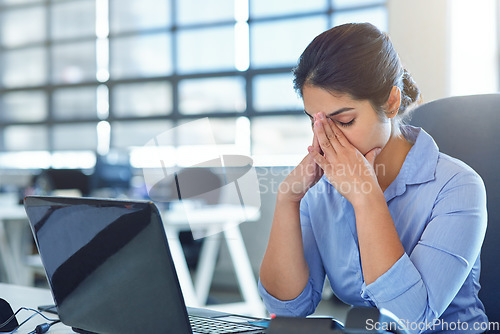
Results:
75 103
28 106
204 11
280 43
24 67
221 130
376 16
281 135
275 92
25 138
136 133
18 2
73 63
142 99
73 19
212 95
353 3
75 136
133 15
210 49
263 8
22 26
141 56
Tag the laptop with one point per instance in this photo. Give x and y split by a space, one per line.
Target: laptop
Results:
110 270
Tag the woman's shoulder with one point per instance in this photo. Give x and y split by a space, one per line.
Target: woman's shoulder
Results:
453 170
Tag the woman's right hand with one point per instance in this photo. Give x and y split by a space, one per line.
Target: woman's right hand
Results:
303 177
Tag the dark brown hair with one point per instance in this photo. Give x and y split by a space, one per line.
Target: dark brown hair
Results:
357 59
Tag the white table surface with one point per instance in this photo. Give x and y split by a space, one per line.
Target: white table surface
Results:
22 296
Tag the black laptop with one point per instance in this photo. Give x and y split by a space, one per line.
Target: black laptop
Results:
110 270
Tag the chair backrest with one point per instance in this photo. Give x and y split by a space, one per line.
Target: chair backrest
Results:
467 128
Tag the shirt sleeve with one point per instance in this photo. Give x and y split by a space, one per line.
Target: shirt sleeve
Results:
305 303
420 286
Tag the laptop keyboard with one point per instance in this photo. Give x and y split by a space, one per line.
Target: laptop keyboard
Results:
213 326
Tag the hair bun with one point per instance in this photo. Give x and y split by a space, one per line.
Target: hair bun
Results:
410 93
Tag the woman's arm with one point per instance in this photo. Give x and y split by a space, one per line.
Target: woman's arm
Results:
353 176
379 243
284 271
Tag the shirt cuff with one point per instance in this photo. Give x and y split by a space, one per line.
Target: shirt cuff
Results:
301 306
401 277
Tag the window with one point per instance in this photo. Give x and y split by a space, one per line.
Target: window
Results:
84 76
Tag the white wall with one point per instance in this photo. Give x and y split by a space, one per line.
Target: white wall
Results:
449 46
419 32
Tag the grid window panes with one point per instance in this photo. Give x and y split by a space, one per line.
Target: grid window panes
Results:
68 137
272 134
25 138
207 11
140 56
70 19
24 67
266 8
23 106
142 99
74 62
75 103
273 92
99 75
280 43
16 32
133 15
126 134
199 96
206 50
376 16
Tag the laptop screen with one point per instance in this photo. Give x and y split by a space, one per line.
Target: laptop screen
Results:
108 265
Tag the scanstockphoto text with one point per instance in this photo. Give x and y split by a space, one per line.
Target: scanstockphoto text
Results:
270 179
435 325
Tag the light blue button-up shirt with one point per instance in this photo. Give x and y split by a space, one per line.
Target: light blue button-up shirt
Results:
438 205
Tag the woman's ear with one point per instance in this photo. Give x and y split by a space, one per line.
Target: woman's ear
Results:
393 102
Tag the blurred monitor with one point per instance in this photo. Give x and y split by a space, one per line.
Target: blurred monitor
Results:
52 179
112 171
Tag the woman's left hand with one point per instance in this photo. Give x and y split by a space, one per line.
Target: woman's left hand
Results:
351 173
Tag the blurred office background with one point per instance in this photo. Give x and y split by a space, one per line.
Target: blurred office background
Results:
85 84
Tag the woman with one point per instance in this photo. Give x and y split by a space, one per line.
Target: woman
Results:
374 205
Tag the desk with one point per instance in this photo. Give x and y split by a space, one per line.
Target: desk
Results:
213 219
19 296
15 243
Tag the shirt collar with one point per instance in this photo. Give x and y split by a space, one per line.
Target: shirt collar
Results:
420 163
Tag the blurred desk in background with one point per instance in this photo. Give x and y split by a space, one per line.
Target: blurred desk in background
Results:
214 223
16 242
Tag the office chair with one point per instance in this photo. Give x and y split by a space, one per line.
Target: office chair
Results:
467 128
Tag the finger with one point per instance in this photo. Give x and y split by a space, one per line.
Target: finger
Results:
319 160
329 131
324 142
315 145
339 135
